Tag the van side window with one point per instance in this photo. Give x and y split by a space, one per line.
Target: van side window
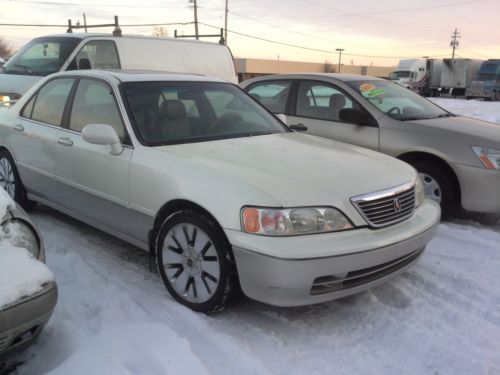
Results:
96 54
51 101
95 104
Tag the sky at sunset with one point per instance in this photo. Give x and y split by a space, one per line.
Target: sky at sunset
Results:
370 32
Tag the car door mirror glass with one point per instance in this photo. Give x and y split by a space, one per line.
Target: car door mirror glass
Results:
102 134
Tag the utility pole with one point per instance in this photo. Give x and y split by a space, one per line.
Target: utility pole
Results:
225 23
85 22
455 37
339 50
195 19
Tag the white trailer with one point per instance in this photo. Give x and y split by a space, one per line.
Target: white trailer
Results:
457 74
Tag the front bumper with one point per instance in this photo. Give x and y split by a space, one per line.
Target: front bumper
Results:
21 322
480 188
350 261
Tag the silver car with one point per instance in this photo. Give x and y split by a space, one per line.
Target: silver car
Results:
22 319
457 157
218 190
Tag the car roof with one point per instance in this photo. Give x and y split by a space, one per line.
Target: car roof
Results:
329 76
139 75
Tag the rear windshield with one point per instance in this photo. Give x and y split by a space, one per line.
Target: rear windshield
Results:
41 56
183 112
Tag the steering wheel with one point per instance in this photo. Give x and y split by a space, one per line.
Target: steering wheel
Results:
226 121
396 110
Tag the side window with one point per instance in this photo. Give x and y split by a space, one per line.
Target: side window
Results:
51 100
95 104
273 95
97 54
322 101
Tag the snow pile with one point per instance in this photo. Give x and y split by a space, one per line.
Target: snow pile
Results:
487 111
20 274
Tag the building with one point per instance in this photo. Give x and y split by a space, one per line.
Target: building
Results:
250 68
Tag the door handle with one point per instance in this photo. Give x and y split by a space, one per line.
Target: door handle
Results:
18 127
65 141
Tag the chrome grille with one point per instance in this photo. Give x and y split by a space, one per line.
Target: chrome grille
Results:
477 86
386 207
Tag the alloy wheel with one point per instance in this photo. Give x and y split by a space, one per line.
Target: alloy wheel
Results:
191 262
7 178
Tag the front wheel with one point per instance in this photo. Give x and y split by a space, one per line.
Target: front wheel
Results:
195 263
438 186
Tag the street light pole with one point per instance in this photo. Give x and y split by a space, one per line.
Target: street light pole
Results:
339 50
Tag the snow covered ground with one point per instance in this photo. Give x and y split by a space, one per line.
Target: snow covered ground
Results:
115 317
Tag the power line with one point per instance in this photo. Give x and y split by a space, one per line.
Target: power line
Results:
309 48
126 25
96 4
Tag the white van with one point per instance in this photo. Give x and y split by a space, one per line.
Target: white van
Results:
46 55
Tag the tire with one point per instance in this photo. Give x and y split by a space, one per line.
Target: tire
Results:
11 182
439 186
195 262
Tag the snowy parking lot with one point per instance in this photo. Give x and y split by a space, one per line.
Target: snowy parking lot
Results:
115 317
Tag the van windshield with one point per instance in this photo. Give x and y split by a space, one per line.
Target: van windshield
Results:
165 113
41 56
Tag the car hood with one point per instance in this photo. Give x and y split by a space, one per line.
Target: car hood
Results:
297 169
16 83
475 130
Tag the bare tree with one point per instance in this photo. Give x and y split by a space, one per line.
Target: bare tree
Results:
5 48
160 32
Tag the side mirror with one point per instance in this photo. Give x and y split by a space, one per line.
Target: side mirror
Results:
101 134
355 116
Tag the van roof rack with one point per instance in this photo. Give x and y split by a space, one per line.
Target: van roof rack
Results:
116 32
221 36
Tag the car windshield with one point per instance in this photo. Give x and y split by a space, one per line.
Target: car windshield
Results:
182 112
41 57
396 101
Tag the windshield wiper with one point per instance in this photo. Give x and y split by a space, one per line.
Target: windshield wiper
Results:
446 115
27 70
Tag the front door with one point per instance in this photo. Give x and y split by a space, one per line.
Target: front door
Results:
91 182
319 106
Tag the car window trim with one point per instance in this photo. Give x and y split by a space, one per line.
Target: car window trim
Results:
373 124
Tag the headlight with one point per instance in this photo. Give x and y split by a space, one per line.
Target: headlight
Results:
489 157
419 191
293 221
20 234
6 99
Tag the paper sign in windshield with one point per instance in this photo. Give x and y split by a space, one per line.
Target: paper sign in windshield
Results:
370 90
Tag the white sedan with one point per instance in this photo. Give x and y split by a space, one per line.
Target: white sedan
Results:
218 191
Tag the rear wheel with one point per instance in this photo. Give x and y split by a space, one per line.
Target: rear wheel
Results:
439 187
11 182
195 263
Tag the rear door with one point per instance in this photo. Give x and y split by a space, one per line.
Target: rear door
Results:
34 138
